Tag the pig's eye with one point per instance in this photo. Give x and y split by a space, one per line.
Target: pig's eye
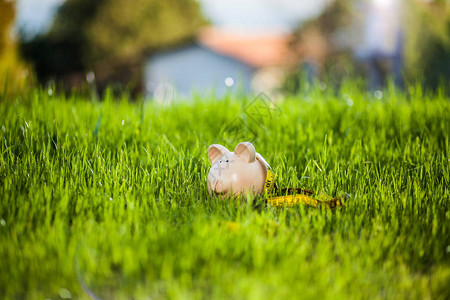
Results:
220 162
226 160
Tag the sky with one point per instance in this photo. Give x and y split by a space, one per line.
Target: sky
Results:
35 16
261 15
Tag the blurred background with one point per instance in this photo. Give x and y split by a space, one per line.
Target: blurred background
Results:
165 49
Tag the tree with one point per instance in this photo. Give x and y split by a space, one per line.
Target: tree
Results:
13 73
331 40
7 13
122 31
112 37
427 47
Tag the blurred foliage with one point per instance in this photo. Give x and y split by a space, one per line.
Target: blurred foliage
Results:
7 13
427 42
13 72
328 42
111 38
318 49
121 30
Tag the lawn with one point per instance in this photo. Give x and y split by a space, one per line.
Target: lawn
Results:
108 199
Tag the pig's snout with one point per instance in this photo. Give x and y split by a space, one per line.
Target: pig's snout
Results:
219 186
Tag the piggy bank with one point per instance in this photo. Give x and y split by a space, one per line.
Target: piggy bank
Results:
240 172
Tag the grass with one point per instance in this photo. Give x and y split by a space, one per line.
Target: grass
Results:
109 198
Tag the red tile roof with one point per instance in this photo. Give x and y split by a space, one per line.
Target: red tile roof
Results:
256 50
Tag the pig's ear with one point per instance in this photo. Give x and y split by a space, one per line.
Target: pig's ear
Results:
246 150
216 151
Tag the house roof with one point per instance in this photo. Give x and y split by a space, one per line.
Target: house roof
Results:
257 50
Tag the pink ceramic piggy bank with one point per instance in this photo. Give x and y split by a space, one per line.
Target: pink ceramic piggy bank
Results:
239 172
